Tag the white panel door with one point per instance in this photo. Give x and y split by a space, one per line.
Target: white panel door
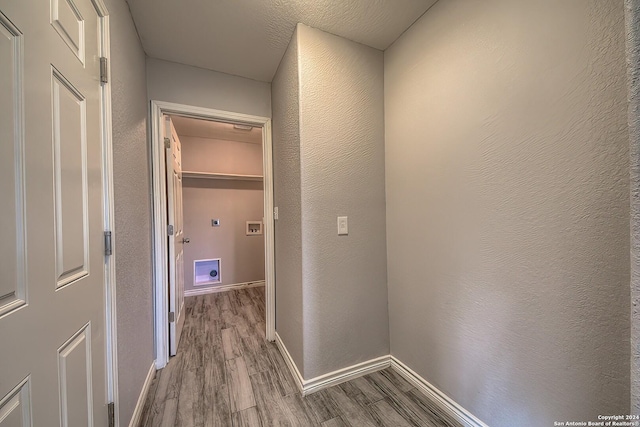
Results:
176 240
52 296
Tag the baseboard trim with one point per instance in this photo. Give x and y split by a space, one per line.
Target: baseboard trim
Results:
137 412
330 379
438 397
224 288
447 404
297 377
345 374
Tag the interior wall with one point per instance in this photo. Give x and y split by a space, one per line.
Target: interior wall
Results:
132 234
287 198
633 79
220 156
507 181
183 84
342 174
232 202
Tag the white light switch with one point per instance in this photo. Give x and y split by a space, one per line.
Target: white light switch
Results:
343 226
275 213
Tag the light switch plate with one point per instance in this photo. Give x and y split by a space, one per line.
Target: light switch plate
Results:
343 226
275 213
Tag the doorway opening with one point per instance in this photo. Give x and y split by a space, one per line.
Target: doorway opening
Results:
226 200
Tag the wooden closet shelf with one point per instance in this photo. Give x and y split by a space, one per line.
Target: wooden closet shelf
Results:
227 176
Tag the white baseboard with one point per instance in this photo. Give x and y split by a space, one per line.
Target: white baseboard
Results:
297 377
345 374
436 396
137 412
224 288
330 379
349 373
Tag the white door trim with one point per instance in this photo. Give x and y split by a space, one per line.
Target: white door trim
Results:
111 325
160 250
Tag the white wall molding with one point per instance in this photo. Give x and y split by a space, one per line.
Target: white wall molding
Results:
223 288
160 243
297 377
137 412
269 230
345 374
444 402
111 322
330 379
439 398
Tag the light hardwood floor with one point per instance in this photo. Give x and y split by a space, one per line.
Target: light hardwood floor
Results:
227 374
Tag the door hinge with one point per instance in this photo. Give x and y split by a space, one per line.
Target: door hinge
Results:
167 143
172 317
170 230
107 243
111 409
104 70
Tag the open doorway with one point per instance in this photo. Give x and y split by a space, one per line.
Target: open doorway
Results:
226 209
223 205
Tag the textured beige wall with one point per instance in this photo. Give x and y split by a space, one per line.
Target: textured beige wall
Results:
329 161
633 57
287 197
507 177
342 173
182 84
132 238
233 202
220 156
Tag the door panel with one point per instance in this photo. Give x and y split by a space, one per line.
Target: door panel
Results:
70 147
74 366
51 215
12 256
66 19
15 408
176 245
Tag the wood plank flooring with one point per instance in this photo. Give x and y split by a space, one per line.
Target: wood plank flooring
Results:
227 374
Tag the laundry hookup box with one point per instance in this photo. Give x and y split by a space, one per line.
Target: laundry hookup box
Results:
206 272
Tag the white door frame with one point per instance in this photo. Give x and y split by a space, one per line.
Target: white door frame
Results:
111 325
160 247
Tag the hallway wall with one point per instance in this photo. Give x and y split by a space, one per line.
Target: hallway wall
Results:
132 238
329 153
342 173
507 180
633 80
287 198
183 84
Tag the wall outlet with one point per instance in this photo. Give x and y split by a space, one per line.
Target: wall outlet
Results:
343 226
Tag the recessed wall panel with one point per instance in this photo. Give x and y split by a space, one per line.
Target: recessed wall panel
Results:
12 256
68 22
70 146
15 407
74 371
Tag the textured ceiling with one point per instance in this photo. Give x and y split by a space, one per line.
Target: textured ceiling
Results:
215 130
248 37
